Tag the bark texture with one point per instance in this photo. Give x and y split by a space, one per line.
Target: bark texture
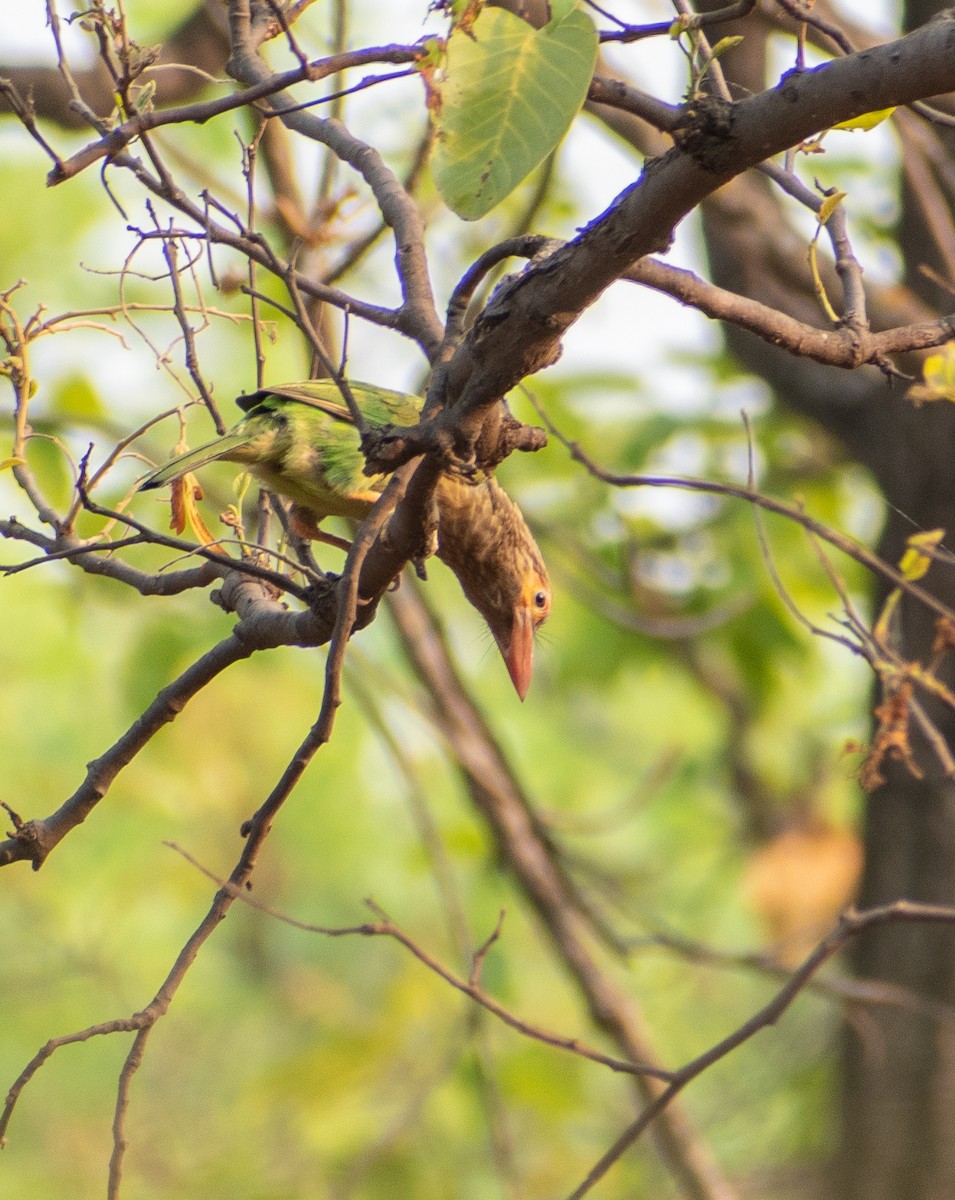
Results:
898 1081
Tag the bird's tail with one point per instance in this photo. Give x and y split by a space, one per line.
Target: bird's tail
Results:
192 460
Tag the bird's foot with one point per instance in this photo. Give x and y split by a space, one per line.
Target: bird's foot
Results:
387 447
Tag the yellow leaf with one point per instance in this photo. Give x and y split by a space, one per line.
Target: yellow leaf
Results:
199 528
184 496
177 502
7 463
829 206
938 371
867 120
819 286
882 629
918 554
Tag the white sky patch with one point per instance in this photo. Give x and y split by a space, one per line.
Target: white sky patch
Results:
27 37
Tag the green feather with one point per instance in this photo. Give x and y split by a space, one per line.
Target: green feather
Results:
299 439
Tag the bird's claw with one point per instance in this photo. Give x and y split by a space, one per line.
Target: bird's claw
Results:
382 447
463 468
387 447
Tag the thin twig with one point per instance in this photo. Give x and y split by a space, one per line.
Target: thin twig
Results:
386 927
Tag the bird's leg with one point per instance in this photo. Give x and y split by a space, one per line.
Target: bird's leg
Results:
430 540
424 535
303 552
302 522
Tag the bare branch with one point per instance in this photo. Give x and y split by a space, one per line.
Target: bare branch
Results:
846 545
850 925
386 927
199 112
841 347
538 871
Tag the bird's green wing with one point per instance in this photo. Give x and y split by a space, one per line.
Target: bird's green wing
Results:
300 441
323 444
379 406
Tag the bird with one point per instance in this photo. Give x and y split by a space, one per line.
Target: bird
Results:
299 440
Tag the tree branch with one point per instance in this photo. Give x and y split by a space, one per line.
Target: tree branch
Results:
535 866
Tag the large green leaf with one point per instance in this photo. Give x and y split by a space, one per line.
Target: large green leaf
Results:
508 96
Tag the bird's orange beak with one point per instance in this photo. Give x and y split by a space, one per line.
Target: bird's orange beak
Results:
519 652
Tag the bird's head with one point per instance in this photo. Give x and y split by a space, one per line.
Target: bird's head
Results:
484 539
515 621
504 577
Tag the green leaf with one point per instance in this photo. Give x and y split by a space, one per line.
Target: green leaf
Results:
559 9
508 97
144 98
725 44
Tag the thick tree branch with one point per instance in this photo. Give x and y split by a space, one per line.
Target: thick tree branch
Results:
519 331
835 347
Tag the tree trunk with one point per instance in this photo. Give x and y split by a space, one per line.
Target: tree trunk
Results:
898 1082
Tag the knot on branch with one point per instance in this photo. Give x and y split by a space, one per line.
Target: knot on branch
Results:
704 130
515 435
243 594
29 842
323 599
387 447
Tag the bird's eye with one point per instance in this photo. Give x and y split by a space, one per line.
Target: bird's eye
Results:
540 599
